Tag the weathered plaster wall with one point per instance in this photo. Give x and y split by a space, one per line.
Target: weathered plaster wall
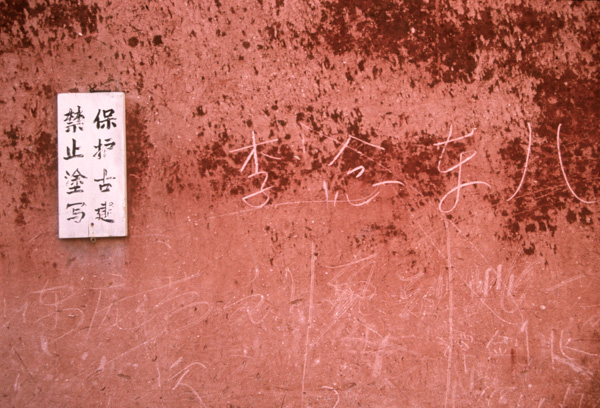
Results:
338 292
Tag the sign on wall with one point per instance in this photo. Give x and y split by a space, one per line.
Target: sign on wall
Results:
92 171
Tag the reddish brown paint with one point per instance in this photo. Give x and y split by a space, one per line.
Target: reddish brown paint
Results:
208 300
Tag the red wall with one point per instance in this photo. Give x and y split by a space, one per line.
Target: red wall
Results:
339 291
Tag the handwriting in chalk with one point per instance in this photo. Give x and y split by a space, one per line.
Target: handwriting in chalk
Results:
558 345
254 307
337 394
359 170
253 155
420 300
352 287
462 161
180 375
357 146
560 162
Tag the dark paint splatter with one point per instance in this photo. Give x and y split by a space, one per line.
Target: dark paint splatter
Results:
529 250
45 149
71 16
133 41
157 40
442 39
571 217
138 148
20 219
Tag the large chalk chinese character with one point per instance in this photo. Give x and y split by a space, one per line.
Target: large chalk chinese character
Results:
253 155
560 161
359 170
462 160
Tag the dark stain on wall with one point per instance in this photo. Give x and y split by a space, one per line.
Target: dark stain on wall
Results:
68 16
45 149
138 149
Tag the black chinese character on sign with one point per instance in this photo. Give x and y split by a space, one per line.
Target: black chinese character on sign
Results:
106 120
74 181
104 211
74 120
76 214
72 151
101 147
104 185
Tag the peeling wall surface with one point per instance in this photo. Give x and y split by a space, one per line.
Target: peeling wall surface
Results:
343 203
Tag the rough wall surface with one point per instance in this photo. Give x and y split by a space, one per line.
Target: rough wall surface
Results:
322 205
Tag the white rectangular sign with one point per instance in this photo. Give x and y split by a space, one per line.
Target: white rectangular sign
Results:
92 170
